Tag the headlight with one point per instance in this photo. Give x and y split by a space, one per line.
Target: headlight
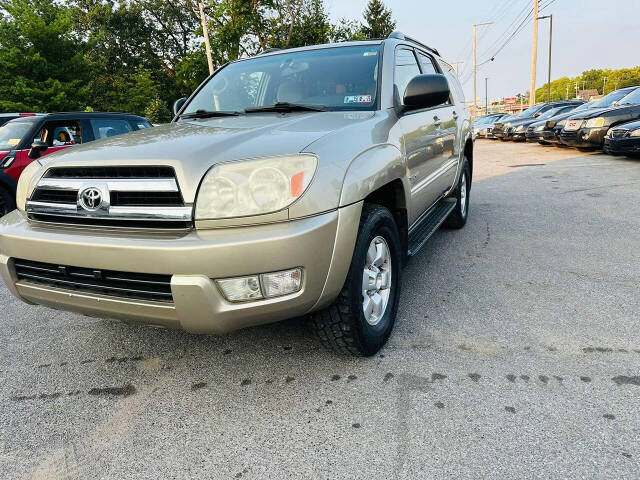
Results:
254 187
519 128
26 183
540 128
595 122
635 133
507 125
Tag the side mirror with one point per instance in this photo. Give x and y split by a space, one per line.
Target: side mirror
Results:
425 91
178 105
38 147
536 115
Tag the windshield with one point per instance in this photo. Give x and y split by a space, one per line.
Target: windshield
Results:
584 106
607 100
344 78
550 113
631 99
11 134
531 111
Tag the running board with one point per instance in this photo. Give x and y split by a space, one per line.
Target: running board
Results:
430 224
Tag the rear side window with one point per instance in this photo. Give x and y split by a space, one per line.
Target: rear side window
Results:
406 68
106 127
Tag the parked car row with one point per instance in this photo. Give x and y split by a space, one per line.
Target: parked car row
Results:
25 137
611 123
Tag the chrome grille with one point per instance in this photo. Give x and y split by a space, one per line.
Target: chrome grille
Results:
139 286
133 197
110 172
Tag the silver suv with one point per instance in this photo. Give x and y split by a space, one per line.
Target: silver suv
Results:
294 183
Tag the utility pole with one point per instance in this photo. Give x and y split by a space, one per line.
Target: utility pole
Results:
604 85
550 17
486 95
567 92
458 67
475 65
205 32
534 54
577 90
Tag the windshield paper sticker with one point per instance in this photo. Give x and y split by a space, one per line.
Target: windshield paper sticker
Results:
358 99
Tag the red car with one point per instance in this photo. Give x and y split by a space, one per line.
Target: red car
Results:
28 136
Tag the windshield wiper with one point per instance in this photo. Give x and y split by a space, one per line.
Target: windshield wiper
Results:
287 107
209 114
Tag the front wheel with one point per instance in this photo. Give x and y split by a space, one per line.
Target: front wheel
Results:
360 320
458 217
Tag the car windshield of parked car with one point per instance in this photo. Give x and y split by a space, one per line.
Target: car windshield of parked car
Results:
631 99
11 134
550 113
531 111
343 78
608 100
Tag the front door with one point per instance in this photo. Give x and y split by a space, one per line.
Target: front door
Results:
425 142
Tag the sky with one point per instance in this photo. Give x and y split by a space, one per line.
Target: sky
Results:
586 34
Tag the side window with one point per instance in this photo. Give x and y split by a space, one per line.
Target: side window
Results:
106 127
406 68
60 134
426 62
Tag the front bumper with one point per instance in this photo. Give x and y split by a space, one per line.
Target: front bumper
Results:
584 137
622 146
517 136
322 245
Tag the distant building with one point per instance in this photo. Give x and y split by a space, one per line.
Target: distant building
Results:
588 94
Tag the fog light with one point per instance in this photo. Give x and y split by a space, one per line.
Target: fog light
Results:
281 283
241 289
258 287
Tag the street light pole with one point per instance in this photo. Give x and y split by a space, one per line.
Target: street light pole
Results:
550 17
475 66
486 95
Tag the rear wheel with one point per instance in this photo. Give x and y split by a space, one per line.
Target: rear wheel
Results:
360 320
7 202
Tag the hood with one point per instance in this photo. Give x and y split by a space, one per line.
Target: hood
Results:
618 110
192 147
629 126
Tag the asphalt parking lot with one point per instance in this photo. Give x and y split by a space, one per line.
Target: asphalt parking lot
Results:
516 355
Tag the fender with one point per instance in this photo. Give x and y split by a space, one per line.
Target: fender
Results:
371 170
9 183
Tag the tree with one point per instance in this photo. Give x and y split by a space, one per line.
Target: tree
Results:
157 111
379 21
41 58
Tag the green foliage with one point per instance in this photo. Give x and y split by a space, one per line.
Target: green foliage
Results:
138 56
590 80
157 111
379 21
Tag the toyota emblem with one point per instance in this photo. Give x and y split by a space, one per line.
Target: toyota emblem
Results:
91 199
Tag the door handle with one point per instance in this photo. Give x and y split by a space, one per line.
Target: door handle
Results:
436 121
455 115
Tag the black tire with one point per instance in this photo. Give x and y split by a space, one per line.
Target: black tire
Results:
458 218
342 327
7 202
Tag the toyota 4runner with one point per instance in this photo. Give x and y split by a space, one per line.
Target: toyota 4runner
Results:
297 182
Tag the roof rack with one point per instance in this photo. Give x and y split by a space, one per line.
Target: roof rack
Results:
401 36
